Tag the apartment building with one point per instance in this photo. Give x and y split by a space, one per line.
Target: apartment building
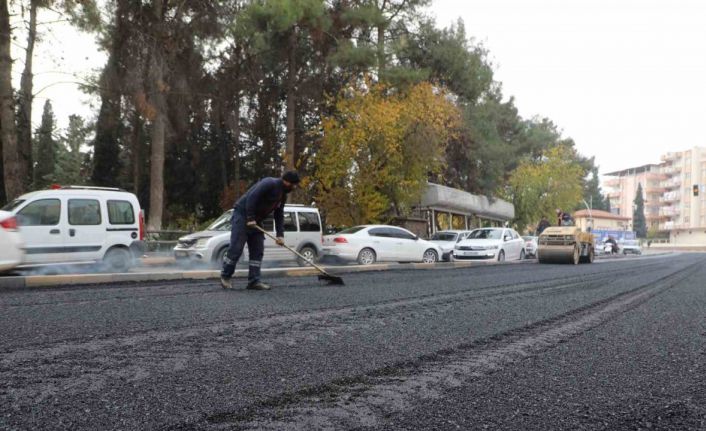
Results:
683 211
622 189
669 192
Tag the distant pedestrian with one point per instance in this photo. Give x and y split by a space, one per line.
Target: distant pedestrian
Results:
267 196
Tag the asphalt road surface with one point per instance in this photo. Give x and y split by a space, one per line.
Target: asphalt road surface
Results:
613 345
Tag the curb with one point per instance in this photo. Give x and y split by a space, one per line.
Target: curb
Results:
48 281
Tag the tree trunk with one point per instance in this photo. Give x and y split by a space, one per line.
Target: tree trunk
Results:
136 144
106 145
24 104
290 158
158 124
381 50
220 123
8 133
234 125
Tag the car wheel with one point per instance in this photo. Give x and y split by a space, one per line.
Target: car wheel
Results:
522 255
218 259
501 256
430 256
309 253
366 257
117 259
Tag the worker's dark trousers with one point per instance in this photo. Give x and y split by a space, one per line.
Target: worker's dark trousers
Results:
240 234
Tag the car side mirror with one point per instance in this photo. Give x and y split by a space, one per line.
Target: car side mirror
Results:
416 238
508 237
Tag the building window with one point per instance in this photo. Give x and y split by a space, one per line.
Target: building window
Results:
458 222
443 221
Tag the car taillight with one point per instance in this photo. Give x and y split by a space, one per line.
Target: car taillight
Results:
142 225
340 240
9 223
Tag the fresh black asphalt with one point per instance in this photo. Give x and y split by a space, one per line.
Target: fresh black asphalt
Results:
614 345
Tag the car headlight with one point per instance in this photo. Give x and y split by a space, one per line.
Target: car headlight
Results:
201 242
492 247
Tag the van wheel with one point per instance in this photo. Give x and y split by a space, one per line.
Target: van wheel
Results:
117 259
309 253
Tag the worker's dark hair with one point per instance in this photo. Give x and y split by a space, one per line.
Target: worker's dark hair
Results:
291 177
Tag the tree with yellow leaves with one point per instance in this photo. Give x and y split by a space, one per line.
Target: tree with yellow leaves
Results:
378 150
537 187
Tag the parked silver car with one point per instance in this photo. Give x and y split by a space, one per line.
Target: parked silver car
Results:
530 246
302 232
447 239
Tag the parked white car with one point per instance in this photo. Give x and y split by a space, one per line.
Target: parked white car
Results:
447 239
491 243
380 243
12 250
530 246
302 232
77 224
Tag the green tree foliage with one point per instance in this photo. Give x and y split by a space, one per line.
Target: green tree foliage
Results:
46 149
592 191
71 165
378 150
639 224
230 91
540 185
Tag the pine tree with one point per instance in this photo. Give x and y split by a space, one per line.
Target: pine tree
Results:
639 224
70 159
46 149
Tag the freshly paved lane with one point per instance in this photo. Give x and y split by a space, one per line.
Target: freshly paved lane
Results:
613 345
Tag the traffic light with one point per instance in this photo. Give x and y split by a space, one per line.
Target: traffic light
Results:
695 189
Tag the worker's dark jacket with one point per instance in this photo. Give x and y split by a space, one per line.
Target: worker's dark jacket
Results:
262 199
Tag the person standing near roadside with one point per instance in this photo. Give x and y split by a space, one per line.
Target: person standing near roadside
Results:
543 224
268 196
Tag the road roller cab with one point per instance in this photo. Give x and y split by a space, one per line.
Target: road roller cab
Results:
565 244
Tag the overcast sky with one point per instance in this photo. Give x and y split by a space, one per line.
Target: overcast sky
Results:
626 79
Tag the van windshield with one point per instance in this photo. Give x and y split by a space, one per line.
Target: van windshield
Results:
222 223
12 205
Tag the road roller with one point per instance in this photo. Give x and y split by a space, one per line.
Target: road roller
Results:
565 244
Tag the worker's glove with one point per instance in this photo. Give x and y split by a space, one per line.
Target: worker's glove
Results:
280 241
251 224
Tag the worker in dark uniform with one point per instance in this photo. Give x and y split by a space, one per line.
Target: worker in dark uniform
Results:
267 196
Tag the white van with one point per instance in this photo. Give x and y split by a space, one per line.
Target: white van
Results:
76 224
302 232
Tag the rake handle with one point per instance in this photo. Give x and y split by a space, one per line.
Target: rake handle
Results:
292 250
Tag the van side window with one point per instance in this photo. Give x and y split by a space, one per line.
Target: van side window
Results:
120 212
44 212
84 212
290 225
308 222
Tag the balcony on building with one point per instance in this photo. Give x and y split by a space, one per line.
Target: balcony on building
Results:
669 211
674 183
670 197
670 157
615 194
